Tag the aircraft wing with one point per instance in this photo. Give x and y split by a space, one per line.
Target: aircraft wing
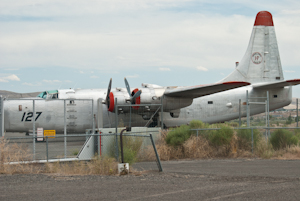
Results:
203 90
279 84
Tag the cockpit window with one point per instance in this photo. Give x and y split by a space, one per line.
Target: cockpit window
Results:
53 94
42 95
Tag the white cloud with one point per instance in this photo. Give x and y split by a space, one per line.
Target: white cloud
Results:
32 84
3 80
68 81
8 78
94 77
202 68
139 35
289 71
51 81
164 69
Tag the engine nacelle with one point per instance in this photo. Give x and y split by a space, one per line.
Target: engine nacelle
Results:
151 97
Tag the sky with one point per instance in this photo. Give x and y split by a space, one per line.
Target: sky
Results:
54 44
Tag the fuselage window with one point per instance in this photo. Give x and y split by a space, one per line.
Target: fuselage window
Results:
210 102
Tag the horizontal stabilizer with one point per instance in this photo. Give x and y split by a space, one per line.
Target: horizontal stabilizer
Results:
279 84
203 90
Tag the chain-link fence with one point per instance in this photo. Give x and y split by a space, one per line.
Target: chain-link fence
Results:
136 148
77 135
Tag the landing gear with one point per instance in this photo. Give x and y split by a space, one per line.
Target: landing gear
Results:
153 124
156 123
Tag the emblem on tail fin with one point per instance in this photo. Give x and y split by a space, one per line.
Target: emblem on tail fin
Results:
257 58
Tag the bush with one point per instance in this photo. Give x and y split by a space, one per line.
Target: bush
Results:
178 136
297 133
196 124
281 139
221 137
244 138
131 148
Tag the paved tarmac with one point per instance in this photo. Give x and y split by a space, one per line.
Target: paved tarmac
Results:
228 179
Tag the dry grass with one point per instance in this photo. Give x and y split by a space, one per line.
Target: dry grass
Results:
199 148
290 153
97 166
12 153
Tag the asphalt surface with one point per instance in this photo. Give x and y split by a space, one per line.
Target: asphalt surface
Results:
231 179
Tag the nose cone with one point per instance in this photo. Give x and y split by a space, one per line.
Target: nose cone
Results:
264 18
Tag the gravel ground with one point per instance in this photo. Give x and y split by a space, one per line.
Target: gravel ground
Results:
181 180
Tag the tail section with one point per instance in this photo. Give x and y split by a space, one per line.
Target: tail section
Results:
261 63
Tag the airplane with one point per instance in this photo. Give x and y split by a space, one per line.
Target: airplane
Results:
259 71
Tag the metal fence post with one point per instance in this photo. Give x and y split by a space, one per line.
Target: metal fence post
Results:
240 107
248 118
47 150
93 117
117 144
157 156
33 127
161 113
268 113
252 139
130 115
65 128
1 117
297 111
99 143
197 133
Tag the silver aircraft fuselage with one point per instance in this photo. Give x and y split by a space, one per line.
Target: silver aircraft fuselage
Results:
49 114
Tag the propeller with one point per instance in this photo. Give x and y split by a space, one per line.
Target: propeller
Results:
109 100
132 95
108 92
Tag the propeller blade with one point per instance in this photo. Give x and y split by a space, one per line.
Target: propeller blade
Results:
108 91
137 94
127 87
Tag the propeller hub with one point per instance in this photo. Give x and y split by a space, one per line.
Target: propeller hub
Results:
111 102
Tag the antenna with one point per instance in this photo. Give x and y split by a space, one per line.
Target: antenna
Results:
75 85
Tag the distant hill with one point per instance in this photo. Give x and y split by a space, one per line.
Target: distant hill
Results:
10 94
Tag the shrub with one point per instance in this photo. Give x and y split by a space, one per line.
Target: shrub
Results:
264 149
221 137
244 138
131 148
297 133
196 124
281 139
178 136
